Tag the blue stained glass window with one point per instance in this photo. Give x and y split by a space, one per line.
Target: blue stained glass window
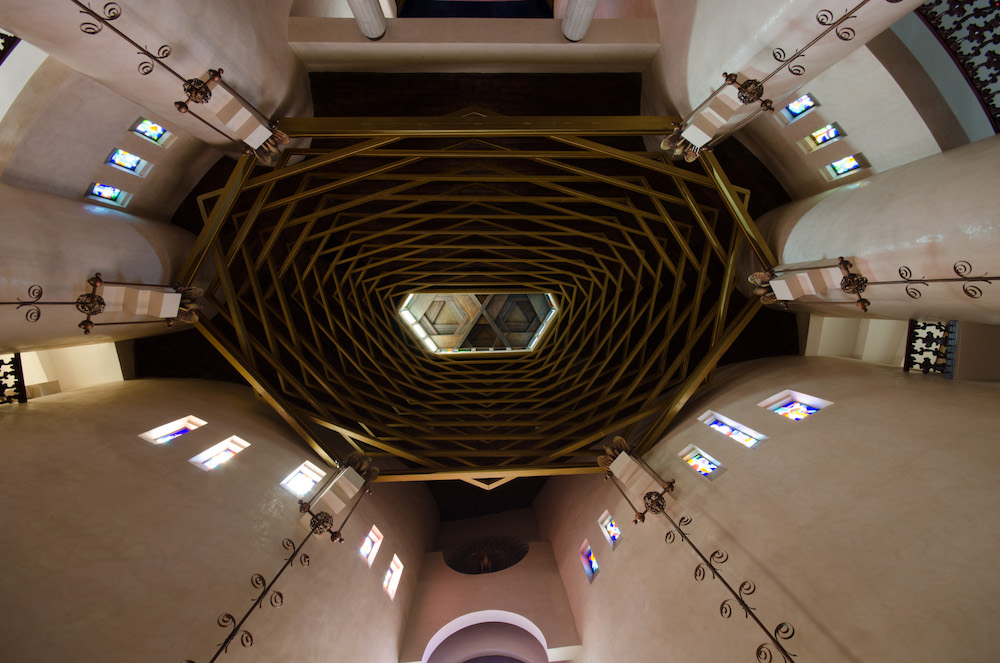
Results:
125 160
105 191
703 465
795 410
829 132
589 562
612 529
150 130
800 105
735 433
845 165
174 434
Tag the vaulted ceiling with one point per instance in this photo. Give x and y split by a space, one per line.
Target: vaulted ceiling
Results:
316 257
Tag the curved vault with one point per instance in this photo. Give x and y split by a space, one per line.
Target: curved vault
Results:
316 259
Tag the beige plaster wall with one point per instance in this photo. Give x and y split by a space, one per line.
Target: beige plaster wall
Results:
925 215
877 119
870 527
116 549
531 588
58 244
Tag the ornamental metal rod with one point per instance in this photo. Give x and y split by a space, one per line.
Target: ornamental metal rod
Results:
765 105
208 124
236 629
738 596
246 104
800 52
719 556
114 13
335 536
726 82
324 489
611 475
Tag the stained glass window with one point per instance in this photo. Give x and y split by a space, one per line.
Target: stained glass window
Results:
303 479
613 532
800 105
169 436
391 581
220 453
735 433
795 410
106 192
590 566
845 165
150 130
125 160
371 544
701 463
829 132
167 432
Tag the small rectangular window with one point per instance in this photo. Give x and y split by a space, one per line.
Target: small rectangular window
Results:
105 191
130 163
827 133
218 454
371 544
610 530
701 462
801 105
797 109
392 576
589 561
167 432
845 165
152 132
108 194
733 430
303 479
794 405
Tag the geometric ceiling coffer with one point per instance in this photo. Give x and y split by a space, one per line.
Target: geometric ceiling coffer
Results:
478 216
472 323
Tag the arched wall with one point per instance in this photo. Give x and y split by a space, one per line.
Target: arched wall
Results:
58 244
869 526
531 588
925 215
514 637
118 549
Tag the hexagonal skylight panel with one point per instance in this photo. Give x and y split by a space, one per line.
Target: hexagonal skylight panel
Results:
477 323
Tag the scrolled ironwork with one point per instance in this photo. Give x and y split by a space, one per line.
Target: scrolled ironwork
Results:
962 269
34 294
111 10
225 619
853 284
824 17
197 90
258 581
784 631
654 502
146 66
304 559
90 304
751 90
277 599
288 544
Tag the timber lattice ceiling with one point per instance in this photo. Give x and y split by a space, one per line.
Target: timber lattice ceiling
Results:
315 259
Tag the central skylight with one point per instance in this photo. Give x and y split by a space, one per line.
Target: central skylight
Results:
475 323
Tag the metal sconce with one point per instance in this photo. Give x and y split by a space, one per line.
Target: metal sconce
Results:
197 90
91 304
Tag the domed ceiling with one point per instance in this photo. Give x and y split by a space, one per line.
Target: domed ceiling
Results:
317 258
